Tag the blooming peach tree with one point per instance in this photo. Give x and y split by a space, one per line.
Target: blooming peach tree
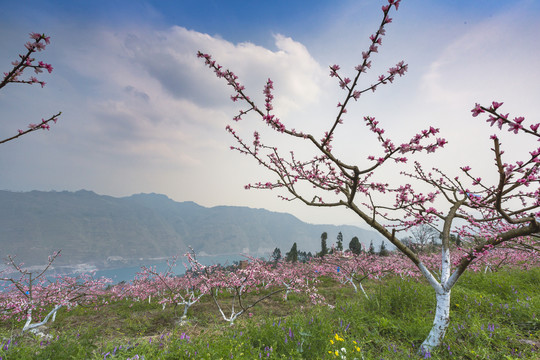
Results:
353 269
493 213
20 298
229 287
169 288
28 293
27 61
298 277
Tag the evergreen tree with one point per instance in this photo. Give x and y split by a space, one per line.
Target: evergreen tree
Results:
339 246
324 248
304 256
455 239
276 255
355 246
371 250
382 250
292 255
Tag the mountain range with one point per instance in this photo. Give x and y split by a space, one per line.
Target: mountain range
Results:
106 232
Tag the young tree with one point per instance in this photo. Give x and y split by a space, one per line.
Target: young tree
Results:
355 246
26 61
494 213
324 247
169 288
29 293
298 277
339 244
23 289
353 269
238 283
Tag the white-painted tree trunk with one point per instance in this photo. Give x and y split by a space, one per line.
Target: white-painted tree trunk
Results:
288 289
363 291
443 290
440 323
28 321
188 302
350 279
186 307
28 326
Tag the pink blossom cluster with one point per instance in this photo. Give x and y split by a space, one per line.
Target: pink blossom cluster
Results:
26 61
515 125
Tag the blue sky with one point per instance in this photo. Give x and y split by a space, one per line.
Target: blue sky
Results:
142 114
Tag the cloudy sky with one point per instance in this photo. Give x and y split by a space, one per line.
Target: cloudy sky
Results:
140 113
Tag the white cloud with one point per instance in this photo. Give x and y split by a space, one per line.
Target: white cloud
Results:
150 85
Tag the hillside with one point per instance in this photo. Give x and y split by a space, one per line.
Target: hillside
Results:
110 232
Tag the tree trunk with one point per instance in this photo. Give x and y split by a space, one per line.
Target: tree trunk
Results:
440 323
28 326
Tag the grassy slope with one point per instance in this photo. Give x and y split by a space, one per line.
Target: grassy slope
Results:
493 316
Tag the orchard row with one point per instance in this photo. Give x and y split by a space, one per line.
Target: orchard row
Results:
35 300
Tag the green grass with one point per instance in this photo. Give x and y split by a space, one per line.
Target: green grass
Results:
493 316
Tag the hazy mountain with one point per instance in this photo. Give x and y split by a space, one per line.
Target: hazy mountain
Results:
107 231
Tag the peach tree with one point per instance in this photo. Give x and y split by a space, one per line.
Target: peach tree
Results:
485 215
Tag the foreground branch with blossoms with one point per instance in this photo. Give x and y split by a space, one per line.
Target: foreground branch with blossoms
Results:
494 214
26 61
